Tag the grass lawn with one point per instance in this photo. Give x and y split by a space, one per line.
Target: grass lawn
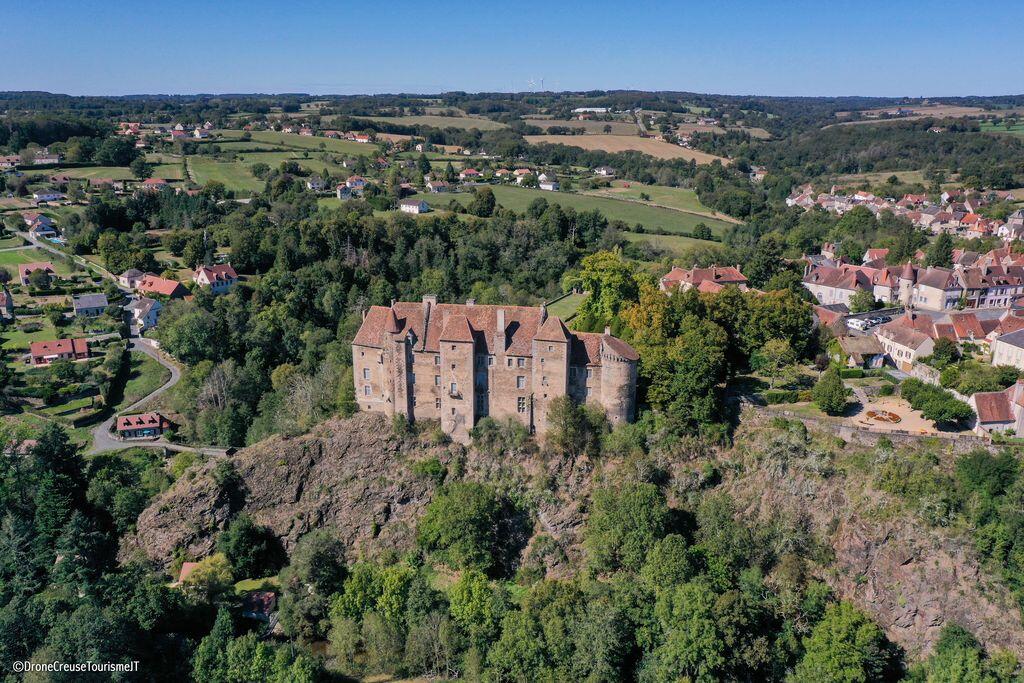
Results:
69 409
168 171
631 213
674 244
14 258
79 436
246 585
307 142
678 198
466 122
235 175
566 308
15 338
989 127
115 172
9 242
147 375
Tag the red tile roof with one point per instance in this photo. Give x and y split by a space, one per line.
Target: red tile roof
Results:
723 275
26 269
58 346
160 285
993 406
142 421
219 272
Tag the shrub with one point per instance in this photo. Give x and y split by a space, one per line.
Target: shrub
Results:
829 393
935 403
851 373
886 390
776 396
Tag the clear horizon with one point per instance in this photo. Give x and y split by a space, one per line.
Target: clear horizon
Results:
738 47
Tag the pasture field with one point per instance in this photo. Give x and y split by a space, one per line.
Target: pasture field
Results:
678 198
592 127
623 143
171 171
297 141
1016 129
233 174
674 244
145 377
631 213
466 122
688 128
880 177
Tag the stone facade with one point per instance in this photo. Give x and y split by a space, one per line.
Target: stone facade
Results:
457 363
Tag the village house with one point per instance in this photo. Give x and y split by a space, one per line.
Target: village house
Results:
356 184
142 426
437 186
43 196
520 174
458 363
413 206
10 161
549 183
469 174
154 284
315 183
710 279
605 171
1008 349
999 411
89 305
903 344
45 352
145 313
25 270
130 278
220 278
861 352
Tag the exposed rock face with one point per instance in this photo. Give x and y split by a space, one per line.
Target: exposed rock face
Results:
353 476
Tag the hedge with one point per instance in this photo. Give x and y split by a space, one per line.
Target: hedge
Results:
851 373
775 396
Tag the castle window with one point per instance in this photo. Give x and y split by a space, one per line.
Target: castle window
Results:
521 362
544 381
551 347
454 388
437 359
590 373
510 362
490 361
588 392
437 403
520 382
521 404
437 380
366 390
366 373
453 347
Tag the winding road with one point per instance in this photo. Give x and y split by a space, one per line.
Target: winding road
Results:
102 440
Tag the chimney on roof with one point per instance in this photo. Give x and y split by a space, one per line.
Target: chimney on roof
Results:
607 330
543 313
471 302
499 330
430 299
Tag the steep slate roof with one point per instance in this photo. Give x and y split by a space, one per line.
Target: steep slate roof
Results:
1013 339
479 323
553 329
939 278
90 301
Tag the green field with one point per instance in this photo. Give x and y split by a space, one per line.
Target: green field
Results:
166 171
631 213
567 307
989 127
672 197
234 174
675 244
147 375
14 258
466 122
15 338
305 142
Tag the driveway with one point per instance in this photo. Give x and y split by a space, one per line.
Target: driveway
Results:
101 436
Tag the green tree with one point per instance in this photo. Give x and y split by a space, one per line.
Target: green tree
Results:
828 393
252 550
624 524
317 571
210 662
140 169
863 301
461 525
940 253
775 359
845 647
483 202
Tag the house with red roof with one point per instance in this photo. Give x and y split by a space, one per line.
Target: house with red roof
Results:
26 269
469 174
999 411
220 278
141 426
154 284
711 279
45 352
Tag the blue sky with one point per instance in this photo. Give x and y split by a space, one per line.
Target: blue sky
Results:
769 47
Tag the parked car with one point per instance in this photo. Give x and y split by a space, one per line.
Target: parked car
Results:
858 324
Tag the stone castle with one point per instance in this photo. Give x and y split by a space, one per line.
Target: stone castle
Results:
457 363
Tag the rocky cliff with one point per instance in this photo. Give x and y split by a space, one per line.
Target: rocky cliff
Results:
357 477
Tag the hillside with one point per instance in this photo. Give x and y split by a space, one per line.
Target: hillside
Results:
803 494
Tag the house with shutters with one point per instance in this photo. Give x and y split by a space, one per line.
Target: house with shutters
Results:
220 278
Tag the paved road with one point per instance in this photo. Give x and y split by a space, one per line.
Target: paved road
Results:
101 438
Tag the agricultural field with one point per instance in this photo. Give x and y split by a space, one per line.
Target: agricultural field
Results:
880 177
1016 129
592 127
920 111
623 143
631 213
169 171
466 122
233 174
678 198
306 142
689 128
674 244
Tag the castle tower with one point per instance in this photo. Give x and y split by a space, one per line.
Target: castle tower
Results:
458 393
618 378
550 350
906 284
397 392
